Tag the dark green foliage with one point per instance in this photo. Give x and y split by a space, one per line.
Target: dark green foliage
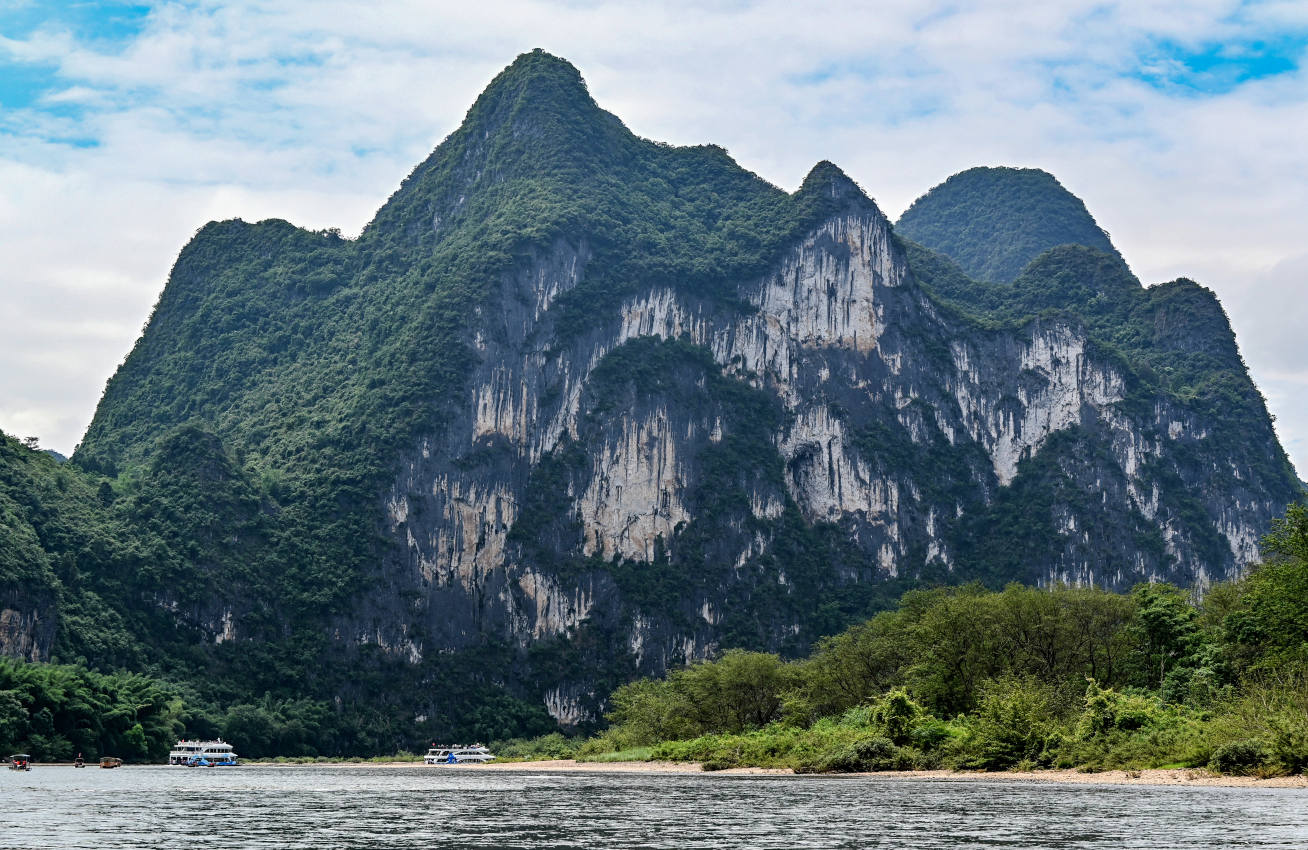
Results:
1240 757
993 221
1167 632
1013 723
1022 678
742 690
866 754
55 712
546 747
271 728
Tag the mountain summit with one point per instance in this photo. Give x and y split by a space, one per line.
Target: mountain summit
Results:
993 221
578 406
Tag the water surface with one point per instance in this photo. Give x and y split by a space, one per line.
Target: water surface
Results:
385 807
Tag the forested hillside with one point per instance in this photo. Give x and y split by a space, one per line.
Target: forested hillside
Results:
993 221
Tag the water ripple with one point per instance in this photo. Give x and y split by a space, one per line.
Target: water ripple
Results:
377 807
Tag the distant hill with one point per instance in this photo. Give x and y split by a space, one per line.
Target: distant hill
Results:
993 221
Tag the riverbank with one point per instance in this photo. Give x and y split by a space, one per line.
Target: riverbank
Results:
1198 778
1179 777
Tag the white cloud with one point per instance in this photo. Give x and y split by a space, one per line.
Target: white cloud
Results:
313 110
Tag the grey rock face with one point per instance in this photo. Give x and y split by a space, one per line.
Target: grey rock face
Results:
27 626
897 424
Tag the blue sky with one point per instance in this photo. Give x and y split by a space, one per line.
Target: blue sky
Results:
1218 67
106 25
125 126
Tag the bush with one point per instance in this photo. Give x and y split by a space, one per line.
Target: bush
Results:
867 754
1108 711
896 715
931 733
545 747
1013 723
1273 710
1241 758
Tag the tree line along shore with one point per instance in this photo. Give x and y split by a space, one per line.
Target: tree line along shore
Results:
1024 678
956 678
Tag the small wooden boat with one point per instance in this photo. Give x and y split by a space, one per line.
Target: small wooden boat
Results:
20 761
78 762
110 762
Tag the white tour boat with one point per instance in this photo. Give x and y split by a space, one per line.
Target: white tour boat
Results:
202 754
458 754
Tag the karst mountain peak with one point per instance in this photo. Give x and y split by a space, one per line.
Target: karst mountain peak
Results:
579 406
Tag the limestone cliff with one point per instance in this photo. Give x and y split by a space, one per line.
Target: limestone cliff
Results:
577 405
898 423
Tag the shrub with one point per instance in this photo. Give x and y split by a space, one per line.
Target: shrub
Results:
931 733
1012 723
863 754
896 715
551 746
1274 710
1241 758
1108 711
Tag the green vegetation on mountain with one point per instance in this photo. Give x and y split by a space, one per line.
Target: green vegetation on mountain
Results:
233 467
312 356
226 533
1171 339
993 221
1017 679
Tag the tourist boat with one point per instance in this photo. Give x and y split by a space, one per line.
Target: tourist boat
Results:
110 762
20 761
458 754
202 754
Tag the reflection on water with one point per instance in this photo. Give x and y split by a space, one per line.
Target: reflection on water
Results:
57 807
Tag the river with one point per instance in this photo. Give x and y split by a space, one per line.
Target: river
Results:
389 807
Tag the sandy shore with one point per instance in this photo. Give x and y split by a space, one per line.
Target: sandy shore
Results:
1190 777
1111 777
1183 777
571 766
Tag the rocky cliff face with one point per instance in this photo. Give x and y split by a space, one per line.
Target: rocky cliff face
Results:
586 406
897 423
27 627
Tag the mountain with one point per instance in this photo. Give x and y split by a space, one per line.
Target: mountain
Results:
578 405
993 221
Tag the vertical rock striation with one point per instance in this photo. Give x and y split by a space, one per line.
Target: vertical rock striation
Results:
901 423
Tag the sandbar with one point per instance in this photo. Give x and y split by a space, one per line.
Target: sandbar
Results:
1185 777
1182 777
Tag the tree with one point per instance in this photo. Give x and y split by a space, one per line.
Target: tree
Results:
1168 630
1271 629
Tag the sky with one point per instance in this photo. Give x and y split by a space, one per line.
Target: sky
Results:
126 126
